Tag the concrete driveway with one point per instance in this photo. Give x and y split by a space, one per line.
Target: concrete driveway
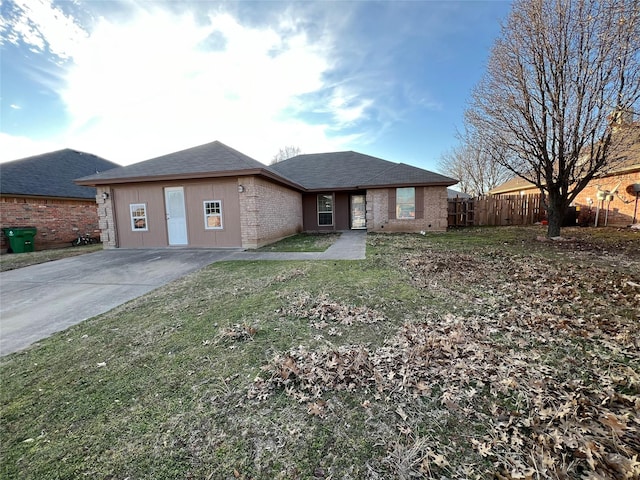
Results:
39 300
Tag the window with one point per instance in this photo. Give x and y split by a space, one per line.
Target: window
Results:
325 210
138 217
212 214
406 203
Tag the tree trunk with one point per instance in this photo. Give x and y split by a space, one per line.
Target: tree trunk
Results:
556 209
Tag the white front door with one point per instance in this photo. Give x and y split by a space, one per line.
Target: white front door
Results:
176 216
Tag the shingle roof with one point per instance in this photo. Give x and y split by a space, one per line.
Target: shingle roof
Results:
349 170
625 152
456 194
321 171
512 185
52 174
211 159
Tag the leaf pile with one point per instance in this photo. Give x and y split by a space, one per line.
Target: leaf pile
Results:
322 312
546 357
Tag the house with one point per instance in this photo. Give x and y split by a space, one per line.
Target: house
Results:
39 191
619 207
214 196
452 194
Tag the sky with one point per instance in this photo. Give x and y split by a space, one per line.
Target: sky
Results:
130 80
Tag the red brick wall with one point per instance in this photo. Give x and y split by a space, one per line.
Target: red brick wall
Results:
620 210
623 204
57 222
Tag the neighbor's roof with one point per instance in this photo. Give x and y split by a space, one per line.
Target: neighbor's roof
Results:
52 174
349 170
625 155
515 184
451 193
626 151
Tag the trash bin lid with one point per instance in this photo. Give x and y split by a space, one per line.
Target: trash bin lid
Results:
15 231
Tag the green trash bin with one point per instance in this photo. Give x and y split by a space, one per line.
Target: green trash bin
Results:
20 238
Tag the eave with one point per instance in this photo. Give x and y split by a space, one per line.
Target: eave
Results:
190 176
385 185
528 186
46 197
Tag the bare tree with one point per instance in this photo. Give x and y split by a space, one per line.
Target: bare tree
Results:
286 152
477 171
558 72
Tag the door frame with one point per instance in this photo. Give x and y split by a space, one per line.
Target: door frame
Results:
183 225
351 215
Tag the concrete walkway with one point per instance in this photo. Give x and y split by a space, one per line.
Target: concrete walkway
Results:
350 245
39 300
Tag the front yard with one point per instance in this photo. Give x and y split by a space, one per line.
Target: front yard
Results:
479 353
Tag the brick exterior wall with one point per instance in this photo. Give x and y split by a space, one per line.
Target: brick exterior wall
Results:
268 212
58 221
620 209
106 218
434 218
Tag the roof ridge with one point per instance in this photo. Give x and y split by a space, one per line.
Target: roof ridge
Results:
391 167
238 154
59 150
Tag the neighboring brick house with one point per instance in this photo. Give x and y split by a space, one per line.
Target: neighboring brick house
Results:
39 192
620 210
456 194
215 196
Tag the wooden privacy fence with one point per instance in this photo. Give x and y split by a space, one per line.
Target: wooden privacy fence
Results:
494 210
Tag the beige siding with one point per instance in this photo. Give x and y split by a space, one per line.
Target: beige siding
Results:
434 213
195 193
269 212
153 196
224 190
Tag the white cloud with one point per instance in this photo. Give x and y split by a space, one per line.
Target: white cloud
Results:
157 81
15 107
149 87
41 25
347 108
14 147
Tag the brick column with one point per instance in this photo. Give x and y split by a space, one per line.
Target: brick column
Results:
249 223
106 219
